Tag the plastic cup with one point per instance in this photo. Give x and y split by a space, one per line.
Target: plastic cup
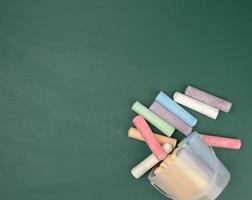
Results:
194 173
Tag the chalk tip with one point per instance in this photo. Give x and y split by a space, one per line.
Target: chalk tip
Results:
187 88
135 104
160 95
188 130
216 114
167 148
153 105
238 144
137 119
135 175
229 106
131 129
195 122
161 92
176 95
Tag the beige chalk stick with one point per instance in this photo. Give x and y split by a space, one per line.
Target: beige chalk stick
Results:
134 133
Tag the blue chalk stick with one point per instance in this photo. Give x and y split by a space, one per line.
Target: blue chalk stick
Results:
176 109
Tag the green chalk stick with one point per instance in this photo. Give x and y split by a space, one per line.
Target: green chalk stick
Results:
154 119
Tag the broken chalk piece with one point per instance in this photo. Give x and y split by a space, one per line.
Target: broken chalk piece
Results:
149 137
209 99
134 133
154 119
168 116
222 142
176 109
148 163
196 105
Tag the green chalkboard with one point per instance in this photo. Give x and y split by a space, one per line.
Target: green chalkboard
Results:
70 71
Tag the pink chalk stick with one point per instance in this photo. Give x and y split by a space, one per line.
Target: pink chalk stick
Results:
222 142
149 137
209 99
172 119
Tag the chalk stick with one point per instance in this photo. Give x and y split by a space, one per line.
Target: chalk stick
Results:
151 117
176 109
134 133
196 105
222 142
209 99
174 181
172 119
149 138
186 185
186 164
148 163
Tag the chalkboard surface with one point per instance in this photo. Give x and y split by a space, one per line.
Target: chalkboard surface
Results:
70 71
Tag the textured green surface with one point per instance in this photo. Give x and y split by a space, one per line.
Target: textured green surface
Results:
154 119
70 71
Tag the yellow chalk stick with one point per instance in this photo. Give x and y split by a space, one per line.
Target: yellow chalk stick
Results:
191 170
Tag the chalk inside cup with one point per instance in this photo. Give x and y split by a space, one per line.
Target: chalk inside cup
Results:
193 172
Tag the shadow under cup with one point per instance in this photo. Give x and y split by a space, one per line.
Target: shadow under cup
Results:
194 172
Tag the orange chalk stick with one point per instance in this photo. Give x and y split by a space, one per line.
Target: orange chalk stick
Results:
134 133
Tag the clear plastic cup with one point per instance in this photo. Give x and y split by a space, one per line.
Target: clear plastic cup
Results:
193 173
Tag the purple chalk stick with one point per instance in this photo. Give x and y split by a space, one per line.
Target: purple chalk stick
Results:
168 116
209 99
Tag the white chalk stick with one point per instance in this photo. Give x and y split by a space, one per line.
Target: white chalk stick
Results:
196 105
148 163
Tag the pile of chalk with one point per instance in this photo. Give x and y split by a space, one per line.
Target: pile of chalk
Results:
167 116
